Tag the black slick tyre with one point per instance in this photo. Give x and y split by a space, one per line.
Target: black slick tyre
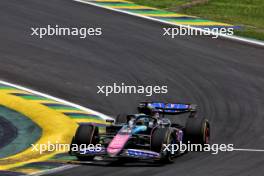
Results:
86 134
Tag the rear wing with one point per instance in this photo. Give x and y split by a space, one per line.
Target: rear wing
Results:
166 108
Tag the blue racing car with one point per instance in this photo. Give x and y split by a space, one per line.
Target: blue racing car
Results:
146 135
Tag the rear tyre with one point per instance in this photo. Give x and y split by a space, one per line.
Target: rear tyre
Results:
86 134
197 131
121 119
159 138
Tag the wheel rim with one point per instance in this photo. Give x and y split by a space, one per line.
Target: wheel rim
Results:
207 134
169 155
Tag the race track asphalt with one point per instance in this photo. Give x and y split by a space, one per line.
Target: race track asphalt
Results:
224 77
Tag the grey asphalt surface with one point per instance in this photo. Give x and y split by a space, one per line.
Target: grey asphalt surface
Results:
226 78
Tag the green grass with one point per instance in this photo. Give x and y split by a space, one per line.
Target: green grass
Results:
163 4
246 13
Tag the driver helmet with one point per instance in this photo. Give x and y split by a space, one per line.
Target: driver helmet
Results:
142 121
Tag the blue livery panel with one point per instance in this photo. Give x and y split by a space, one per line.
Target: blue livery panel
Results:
169 107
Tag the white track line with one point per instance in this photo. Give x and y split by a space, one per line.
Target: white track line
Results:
241 39
249 150
56 99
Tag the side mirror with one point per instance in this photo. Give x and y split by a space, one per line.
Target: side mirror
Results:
110 121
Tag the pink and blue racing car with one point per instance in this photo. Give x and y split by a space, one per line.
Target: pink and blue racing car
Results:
144 136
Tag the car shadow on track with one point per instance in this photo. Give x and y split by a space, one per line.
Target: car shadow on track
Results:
120 163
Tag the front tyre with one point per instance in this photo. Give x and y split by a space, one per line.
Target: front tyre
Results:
159 138
86 134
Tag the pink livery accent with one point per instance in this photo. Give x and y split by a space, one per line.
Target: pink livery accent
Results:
117 144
